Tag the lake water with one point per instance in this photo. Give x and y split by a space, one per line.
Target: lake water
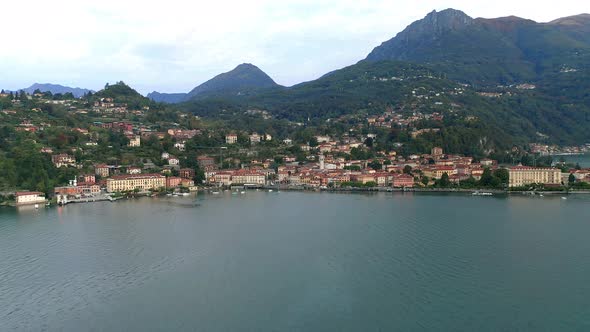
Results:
582 159
299 262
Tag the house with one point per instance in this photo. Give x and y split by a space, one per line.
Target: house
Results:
173 182
255 138
403 181
63 160
323 139
102 170
173 161
187 183
187 173
133 170
180 146
288 141
231 138
87 178
135 141
29 198
205 161
437 172
436 152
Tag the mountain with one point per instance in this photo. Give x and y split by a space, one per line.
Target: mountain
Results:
170 98
56 88
124 94
537 73
245 79
490 51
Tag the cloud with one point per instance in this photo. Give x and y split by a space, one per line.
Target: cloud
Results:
177 44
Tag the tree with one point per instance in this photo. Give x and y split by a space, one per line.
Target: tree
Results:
502 175
407 169
444 181
571 180
376 165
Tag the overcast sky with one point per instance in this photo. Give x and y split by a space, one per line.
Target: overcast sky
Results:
174 45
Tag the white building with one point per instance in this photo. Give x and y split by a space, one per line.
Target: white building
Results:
135 142
28 198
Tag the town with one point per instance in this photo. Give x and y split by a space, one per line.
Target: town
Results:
104 149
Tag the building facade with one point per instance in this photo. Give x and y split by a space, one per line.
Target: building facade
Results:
29 197
142 182
523 175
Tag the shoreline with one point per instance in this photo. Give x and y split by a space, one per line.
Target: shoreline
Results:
492 193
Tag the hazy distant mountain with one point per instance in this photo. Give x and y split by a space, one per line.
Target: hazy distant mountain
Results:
245 79
170 98
56 88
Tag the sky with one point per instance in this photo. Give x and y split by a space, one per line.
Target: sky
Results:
174 45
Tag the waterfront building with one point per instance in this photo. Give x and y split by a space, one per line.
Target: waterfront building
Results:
437 172
248 177
141 182
523 175
403 181
173 182
29 198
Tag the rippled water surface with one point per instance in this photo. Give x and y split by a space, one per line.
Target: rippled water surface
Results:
299 261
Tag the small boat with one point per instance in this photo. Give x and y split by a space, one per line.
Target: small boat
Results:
185 194
242 192
270 190
215 192
478 193
36 206
564 198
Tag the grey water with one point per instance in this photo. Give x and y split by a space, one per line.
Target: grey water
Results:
299 262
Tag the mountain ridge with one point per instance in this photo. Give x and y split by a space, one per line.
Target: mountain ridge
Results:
244 79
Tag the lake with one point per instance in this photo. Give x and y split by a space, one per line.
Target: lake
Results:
296 261
582 159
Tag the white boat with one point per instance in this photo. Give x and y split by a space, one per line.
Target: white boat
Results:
270 190
185 194
564 198
478 193
215 192
242 192
36 206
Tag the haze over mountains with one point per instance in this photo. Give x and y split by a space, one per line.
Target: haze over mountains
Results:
55 89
